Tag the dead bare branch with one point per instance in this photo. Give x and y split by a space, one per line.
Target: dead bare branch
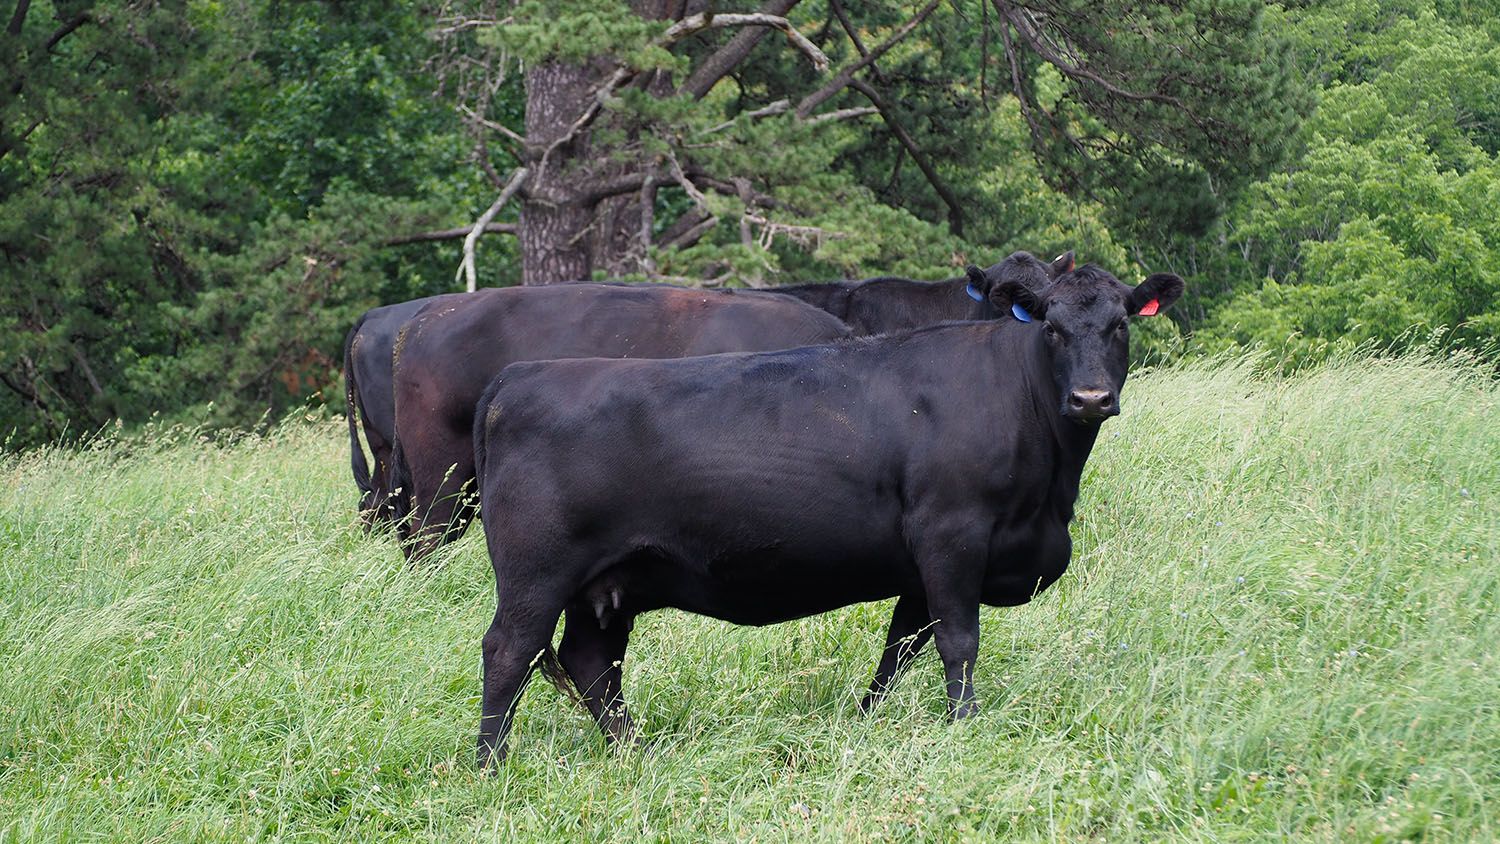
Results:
778 107
457 24
841 114
681 178
505 131
449 234
466 268
648 220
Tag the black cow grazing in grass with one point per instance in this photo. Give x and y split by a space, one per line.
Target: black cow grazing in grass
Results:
450 351
370 402
939 465
889 303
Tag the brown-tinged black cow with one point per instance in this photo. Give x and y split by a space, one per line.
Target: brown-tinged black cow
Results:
939 465
435 465
451 350
370 404
890 303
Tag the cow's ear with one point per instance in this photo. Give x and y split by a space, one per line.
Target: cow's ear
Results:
1155 294
978 287
1061 264
1018 299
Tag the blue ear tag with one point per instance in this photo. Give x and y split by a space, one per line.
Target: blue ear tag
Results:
974 294
1019 313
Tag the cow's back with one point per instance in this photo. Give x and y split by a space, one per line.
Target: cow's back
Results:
448 355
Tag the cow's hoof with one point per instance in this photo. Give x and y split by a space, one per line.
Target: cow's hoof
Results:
487 759
967 709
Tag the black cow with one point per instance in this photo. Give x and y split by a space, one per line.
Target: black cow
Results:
451 350
370 403
872 306
939 465
889 303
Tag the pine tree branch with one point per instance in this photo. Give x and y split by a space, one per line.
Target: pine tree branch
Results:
1024 97
843 17
620 185
841 81
688 230
955 210
466 268
1027 28
718 65
18 18
27 394
65 30
676 32
53 40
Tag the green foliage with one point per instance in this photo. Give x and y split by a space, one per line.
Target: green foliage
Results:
1387 221
577 31
1165 109
196 197
1279 625
201 203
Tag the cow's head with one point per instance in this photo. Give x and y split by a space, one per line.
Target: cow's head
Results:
1019 266
1084 316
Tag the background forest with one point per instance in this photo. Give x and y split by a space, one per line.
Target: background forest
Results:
198 198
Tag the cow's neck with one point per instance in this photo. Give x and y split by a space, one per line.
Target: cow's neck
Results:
1071 442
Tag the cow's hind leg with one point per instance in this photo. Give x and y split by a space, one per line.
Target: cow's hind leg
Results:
593 651
442 493
910 629
515 643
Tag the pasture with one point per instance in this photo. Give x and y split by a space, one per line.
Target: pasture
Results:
1280 621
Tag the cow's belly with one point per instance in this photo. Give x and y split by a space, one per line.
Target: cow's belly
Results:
771 584
771 600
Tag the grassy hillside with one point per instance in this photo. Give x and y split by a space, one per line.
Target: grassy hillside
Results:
1281 620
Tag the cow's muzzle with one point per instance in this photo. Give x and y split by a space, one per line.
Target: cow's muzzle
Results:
1091 405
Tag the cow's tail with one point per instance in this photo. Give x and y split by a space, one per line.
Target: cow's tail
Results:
399 494
546 661
351 407
552 668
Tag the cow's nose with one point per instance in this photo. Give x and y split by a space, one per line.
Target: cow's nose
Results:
1092 404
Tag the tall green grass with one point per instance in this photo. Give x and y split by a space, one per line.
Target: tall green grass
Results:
1281 621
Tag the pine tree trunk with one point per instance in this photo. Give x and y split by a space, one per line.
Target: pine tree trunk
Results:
554 223
564 238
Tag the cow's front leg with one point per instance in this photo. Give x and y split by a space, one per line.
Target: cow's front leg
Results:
910 629
953 575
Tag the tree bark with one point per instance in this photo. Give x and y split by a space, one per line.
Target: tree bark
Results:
554 223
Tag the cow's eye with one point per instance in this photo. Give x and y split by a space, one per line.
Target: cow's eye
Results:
1122 326
1051 331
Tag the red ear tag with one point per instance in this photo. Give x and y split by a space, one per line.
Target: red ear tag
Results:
1149 309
